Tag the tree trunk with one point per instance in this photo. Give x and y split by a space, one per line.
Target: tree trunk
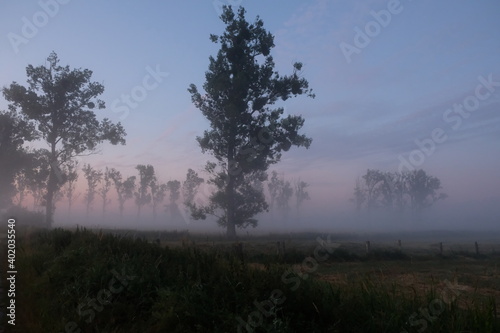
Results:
49 212
231 227
51 187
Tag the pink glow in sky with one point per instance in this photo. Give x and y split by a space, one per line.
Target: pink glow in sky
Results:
372 108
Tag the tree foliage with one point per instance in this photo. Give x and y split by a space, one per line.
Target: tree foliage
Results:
173 186
104 189
397 191
142 195
93 178
246 133
124 188
158 193
71 170
60 102
190 186
301 193
14 132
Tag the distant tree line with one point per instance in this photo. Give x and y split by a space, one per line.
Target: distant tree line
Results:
412 191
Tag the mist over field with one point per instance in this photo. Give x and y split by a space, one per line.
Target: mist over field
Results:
250 166
393 92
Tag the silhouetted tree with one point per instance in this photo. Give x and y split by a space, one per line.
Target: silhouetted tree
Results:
393 191
359 195
285 192
422 190
59 101
246 134
105 187
273 187
124 189
190 186
400 190
373 180
281 191
142 196
70 169
21 184
38 175
300 193
173 186
14 131
158 193
190 189
93 178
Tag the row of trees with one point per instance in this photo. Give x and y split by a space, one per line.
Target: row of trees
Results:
281 191
148 191
247 133
397 191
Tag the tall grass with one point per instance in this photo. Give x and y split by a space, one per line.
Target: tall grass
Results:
188 289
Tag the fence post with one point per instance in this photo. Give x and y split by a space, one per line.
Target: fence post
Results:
476 245
441 248
367 247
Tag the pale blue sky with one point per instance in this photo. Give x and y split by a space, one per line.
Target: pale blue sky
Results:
368 112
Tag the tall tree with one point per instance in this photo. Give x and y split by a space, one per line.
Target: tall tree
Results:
247 135
281 191
400 190
190 186
285 192
173 186
124 188
423 191
21 182
359 195
38 175
373 180
93 178
158 193
70 169
189 190
301 193
273 187
104 190
142 195
14 131
60 102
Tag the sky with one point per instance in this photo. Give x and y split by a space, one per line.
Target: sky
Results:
399 85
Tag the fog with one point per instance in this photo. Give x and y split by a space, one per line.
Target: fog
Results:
411 95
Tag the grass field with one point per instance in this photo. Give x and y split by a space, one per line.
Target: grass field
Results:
126 281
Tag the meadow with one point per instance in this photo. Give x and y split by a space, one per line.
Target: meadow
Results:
84 280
